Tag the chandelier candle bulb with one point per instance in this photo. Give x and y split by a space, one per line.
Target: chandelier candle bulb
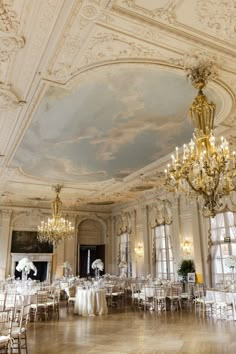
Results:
56 229
206 170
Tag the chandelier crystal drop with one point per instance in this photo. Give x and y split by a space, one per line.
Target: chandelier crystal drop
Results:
57 228
206 168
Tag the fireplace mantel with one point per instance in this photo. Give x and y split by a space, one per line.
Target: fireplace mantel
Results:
34 257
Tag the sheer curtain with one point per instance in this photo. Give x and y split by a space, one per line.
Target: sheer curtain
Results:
125 252
222 230
164 260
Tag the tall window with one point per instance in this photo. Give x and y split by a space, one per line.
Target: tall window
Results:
222 230
163 252
125 252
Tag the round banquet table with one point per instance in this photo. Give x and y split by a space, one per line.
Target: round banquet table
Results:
90 302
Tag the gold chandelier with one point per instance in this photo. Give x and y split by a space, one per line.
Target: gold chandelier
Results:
206 168
56 228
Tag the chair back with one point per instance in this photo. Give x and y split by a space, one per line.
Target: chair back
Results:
6 322
2 301
42 297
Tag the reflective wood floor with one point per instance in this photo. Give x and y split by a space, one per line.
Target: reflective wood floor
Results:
132 332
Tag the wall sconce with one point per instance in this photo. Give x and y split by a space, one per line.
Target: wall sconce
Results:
139 250
187 247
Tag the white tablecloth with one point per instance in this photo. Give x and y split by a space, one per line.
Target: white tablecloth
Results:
90 302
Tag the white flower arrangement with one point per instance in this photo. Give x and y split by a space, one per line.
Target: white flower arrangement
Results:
98 264
26 265
66 265
123 264
230 262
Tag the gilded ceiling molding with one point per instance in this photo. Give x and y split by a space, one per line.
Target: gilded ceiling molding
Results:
160 213
218 16
123 223
8 99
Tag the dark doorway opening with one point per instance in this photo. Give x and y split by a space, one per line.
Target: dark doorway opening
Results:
41 271
88 254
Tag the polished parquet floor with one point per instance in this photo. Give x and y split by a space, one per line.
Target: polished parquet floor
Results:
132 332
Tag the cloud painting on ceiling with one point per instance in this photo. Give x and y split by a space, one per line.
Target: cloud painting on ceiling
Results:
116 121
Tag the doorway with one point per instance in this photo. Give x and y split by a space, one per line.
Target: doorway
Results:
88 254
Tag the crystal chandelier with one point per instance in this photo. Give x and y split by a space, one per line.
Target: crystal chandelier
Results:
206 168
56 228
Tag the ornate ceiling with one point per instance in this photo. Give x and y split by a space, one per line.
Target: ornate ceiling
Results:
93 94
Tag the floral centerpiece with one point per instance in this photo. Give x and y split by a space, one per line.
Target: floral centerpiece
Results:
25 266
98 266
230 262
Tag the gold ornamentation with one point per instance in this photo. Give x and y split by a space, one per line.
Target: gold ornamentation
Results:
207 169
56 229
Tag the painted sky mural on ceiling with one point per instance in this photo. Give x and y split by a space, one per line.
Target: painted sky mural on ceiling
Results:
115 122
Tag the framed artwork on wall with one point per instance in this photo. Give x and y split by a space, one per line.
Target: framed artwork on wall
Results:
191 277
27 242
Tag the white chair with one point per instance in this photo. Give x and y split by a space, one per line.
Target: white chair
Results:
5 331
19 331
149 292
2 301
160 299
174 297
71 293
204 304
223 306
39 310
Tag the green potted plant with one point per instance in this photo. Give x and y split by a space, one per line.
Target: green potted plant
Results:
185 267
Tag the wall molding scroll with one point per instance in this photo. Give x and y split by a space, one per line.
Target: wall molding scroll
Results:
123 223
160 213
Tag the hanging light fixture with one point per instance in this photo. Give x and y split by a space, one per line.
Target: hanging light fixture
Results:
206 168
56 228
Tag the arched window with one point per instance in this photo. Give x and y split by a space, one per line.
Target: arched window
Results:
223 236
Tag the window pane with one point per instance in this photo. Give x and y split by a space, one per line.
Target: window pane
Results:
222 225
164 253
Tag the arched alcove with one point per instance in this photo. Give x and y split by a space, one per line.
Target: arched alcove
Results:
90 246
